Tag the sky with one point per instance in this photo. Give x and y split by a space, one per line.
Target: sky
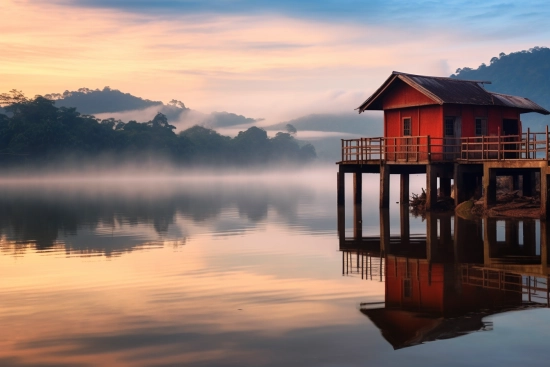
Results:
275 60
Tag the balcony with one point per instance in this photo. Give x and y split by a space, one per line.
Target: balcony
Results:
426 149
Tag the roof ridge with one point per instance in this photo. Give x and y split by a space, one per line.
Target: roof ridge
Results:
443 77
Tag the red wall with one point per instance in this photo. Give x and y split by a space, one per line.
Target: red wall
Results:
426 295
400 94
425 120
494 115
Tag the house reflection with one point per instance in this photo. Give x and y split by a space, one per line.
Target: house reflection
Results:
443 284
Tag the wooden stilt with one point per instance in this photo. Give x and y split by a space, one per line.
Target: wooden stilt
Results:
384 186
385 231
543 194
404 189
489 187
357 208
431 186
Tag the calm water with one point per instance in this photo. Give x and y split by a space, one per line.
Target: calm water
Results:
251 271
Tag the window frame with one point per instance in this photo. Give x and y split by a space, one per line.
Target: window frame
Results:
405 121
453 120
482 127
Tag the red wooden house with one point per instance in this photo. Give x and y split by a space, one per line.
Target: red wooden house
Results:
449 129
426 114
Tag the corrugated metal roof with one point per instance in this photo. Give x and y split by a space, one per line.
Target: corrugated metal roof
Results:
518 102
447 90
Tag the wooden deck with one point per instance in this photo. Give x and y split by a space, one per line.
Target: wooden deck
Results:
425 149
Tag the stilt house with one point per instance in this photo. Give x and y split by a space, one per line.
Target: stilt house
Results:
450 129
445 110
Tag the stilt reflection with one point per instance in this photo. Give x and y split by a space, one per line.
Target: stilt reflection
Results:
443 284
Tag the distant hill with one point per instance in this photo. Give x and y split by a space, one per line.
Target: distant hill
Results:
523 73
109 102
92 101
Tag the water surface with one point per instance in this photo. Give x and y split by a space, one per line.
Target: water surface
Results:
251 271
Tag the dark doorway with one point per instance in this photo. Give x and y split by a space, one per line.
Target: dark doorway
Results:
510 127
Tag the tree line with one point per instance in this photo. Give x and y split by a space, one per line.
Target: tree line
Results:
35 130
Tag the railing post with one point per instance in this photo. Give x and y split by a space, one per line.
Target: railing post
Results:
527 155
498 144
546 142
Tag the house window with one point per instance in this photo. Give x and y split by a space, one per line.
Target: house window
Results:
481 126
407 126
449 126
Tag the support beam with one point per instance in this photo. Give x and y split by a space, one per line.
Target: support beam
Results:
489 187
431 186
404 180
384 186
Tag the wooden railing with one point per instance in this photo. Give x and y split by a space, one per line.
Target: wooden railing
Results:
534 288
426 149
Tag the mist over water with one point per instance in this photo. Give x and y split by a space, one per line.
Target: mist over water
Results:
209 268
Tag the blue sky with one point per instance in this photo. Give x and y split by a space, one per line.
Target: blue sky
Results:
264 59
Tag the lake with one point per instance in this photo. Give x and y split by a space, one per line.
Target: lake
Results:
252 270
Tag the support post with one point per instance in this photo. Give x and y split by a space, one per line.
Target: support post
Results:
405 226
340 187
489 186
459 189
511 232
544 238
341 201
445 230
357 208
489 239
431 186
404 189
530 236
432 242
543 194
529 183
384 186
385 231
515 182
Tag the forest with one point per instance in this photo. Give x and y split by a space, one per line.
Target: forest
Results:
34 131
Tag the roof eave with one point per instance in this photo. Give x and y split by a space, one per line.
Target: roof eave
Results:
369 102
365 105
